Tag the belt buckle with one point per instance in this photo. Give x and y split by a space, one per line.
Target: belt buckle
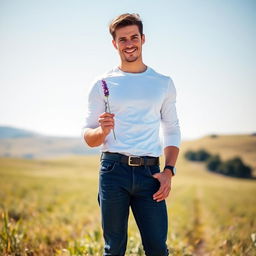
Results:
130 161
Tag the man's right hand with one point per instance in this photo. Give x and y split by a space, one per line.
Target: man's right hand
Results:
107 122
94 137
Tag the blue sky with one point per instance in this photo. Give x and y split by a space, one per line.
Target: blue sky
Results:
51 51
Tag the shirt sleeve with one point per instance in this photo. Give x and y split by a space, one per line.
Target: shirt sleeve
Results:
169 118
95 107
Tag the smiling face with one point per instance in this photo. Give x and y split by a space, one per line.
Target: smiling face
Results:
128 41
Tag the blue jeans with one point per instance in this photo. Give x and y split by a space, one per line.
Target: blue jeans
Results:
122 186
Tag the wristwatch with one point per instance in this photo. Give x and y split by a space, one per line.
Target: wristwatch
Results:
172 168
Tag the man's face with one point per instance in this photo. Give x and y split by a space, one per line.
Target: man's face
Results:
129 43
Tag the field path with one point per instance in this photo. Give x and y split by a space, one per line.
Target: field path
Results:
198 234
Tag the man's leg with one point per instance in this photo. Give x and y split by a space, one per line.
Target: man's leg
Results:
150 216
114 202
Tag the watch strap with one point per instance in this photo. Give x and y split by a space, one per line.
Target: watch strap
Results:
170 167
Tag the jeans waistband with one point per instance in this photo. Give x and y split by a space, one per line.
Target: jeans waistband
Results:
130 160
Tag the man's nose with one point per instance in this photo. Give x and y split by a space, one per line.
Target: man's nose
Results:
128 43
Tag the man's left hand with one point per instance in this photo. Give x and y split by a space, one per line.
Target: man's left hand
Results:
164 178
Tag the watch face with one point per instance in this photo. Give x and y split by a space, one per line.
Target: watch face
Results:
174 170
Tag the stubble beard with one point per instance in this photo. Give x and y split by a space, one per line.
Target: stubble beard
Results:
131 58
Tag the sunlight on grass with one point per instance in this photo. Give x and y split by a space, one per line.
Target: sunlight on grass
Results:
49 207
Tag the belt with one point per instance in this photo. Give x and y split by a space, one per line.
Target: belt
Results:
130 160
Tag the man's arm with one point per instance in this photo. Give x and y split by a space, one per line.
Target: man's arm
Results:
171 155
94 137
96 126
171 132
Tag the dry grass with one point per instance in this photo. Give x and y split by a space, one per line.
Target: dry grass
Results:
53 209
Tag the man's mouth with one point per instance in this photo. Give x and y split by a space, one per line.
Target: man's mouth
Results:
129 51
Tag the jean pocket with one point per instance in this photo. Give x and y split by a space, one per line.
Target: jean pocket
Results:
107 166
153 169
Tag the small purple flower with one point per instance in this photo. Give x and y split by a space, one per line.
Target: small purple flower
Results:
105 88
106 93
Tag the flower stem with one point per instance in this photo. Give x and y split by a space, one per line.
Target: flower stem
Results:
110 113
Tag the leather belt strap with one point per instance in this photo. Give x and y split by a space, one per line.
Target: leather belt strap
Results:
130 160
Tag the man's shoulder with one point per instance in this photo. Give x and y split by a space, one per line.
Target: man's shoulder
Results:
150 74
166 79
110 73
104 76
160 75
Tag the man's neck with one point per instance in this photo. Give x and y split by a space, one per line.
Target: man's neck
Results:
133 67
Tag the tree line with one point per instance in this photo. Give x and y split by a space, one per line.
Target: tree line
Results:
232 167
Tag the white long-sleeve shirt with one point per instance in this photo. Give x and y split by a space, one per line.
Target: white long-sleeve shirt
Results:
140 102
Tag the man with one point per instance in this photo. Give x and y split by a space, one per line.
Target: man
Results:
126 124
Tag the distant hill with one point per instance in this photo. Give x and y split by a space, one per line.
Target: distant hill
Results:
7 132
16 142
227 146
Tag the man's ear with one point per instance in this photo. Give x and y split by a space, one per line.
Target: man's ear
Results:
143 39
114 43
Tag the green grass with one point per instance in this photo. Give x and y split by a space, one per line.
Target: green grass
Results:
49 207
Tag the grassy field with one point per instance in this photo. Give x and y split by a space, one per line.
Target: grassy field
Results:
49 207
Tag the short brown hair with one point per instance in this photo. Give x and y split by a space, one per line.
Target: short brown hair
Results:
123 20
